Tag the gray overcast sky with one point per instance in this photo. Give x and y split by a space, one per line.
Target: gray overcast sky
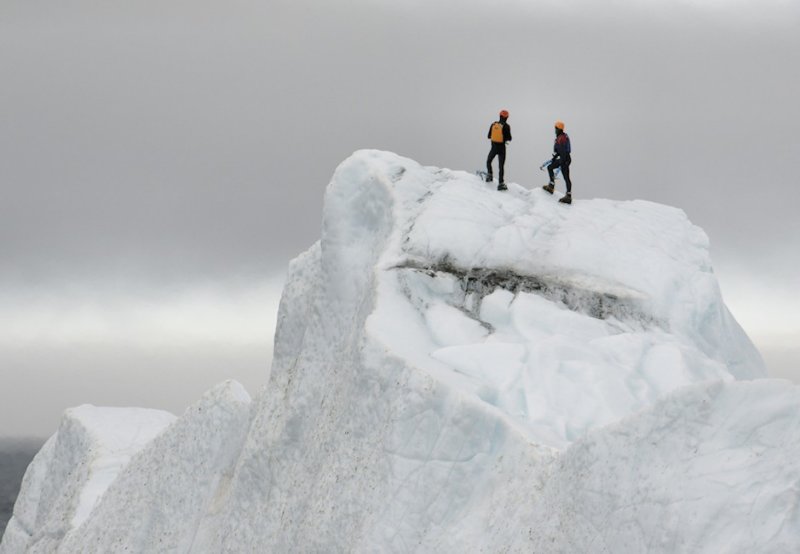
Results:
162 161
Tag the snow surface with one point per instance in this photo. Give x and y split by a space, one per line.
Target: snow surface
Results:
461 370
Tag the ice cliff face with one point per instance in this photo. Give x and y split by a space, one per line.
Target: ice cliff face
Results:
458 369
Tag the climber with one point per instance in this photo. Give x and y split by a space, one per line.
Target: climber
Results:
561 159
500 135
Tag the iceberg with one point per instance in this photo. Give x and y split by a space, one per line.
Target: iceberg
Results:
460 369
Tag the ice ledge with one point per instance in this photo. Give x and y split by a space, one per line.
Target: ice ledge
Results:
75 467
102 461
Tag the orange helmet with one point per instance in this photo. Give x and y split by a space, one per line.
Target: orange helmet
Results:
560 125
503 113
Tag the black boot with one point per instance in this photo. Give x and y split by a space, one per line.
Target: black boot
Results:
567 199
502 186
489 177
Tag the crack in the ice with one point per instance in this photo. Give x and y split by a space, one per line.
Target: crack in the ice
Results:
483 281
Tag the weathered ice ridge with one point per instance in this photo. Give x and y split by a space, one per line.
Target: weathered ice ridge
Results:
456 370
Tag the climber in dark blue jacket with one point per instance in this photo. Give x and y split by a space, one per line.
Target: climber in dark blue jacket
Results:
562 158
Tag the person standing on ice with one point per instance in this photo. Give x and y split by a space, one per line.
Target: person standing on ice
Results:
500 135
562 151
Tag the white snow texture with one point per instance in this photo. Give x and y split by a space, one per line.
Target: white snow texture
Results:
456 369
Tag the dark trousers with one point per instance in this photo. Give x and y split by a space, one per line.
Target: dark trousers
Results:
498 149
564 165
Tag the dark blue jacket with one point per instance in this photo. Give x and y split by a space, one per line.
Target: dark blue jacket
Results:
562 148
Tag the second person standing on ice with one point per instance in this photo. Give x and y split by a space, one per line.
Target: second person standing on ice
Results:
562 158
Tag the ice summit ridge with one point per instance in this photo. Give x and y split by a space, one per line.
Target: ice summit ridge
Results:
456 369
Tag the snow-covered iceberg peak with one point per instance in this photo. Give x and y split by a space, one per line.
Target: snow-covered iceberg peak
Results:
563 318
443 343
458 369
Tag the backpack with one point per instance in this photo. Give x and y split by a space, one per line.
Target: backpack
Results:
497 132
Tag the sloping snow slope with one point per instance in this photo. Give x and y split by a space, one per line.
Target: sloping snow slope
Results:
458 369
712 469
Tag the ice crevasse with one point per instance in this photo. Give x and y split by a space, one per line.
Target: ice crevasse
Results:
459 369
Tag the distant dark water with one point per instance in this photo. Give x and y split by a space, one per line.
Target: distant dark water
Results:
15 455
